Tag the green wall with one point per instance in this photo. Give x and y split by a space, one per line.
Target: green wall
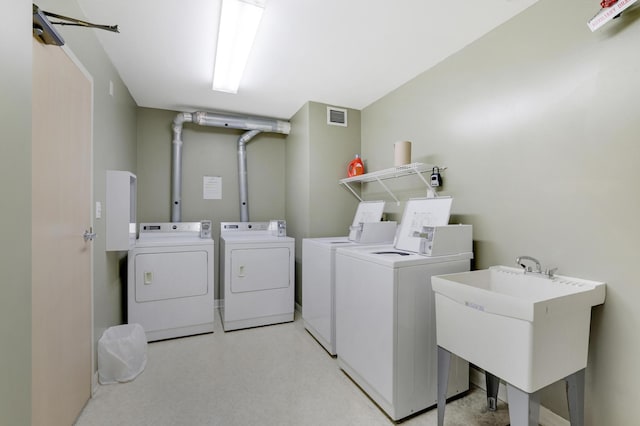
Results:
317 157
331 149
15 235
297 174
538 125
207 151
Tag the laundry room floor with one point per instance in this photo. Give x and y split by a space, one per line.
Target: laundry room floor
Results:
273 375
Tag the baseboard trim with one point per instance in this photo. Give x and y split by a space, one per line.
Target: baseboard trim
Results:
547 417
94 383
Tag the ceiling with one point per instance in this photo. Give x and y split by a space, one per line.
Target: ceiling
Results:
346 53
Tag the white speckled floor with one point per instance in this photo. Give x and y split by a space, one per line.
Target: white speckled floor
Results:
274 375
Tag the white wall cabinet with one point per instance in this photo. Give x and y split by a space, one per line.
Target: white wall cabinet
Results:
120 210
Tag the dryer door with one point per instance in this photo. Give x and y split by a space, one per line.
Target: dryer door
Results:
255 269
170 275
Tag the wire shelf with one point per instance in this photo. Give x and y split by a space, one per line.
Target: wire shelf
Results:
391 173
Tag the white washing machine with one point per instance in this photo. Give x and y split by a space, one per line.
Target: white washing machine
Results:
256 274
385 318
318 269
318 288
170 280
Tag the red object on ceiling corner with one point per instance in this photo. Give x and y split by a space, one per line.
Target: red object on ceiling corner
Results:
608 3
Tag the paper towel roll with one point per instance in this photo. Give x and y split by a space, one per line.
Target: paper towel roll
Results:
402 153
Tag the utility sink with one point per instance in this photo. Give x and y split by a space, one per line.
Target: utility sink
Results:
528 329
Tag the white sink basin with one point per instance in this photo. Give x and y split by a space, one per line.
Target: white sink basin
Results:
527 329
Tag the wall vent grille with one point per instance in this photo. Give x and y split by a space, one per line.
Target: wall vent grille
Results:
336 116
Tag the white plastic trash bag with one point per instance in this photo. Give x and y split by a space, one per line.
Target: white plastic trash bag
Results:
122 353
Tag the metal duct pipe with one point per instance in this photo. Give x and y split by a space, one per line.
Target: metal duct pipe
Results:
242 173
252 124
243 123
176 165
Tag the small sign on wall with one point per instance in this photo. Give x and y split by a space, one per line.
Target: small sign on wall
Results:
212 187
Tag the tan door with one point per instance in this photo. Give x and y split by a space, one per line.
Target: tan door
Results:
61 269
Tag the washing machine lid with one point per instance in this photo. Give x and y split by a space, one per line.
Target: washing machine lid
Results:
331 241
418 213
334 243
368 211
392 257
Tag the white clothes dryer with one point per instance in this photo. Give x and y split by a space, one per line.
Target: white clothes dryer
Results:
256 274
170 280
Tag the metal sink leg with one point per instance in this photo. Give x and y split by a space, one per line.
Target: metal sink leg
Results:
524 408
444 361
575 397
493 383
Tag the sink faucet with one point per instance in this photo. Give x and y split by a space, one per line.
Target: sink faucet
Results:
538 268
526 268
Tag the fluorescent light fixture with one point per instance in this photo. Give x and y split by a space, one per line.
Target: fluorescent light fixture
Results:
239 20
